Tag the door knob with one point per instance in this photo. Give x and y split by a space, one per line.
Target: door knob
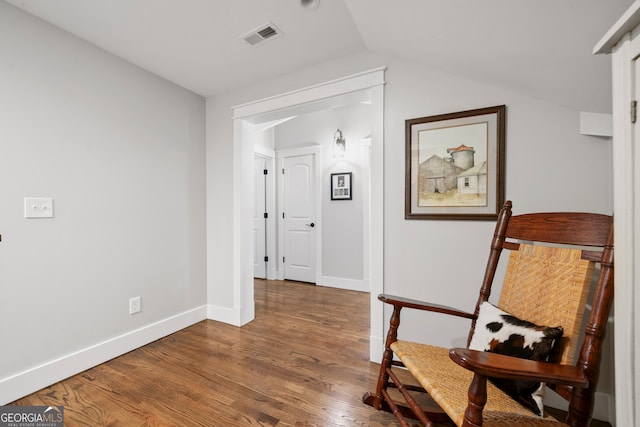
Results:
311 225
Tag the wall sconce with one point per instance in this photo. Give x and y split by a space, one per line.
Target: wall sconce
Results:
339 144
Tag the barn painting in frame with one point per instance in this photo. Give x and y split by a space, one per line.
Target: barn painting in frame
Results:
455 165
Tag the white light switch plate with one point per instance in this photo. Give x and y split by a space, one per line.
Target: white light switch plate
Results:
38 207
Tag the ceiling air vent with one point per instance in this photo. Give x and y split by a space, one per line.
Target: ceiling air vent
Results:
262 33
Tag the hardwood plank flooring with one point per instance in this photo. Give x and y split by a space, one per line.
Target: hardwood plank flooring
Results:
302 362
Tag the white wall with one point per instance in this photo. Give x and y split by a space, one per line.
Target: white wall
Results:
550 167
121 151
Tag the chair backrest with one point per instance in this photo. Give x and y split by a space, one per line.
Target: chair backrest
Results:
549 286
549 276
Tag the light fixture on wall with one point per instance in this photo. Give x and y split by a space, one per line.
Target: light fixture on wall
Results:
339 144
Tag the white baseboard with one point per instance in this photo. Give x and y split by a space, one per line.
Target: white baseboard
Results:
376 349
602 403
232 316
601 407
341 283
53 371
612 410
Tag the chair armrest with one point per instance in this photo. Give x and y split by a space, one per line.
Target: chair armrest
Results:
420 305
501 366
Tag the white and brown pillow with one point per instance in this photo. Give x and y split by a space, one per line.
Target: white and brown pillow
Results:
499 332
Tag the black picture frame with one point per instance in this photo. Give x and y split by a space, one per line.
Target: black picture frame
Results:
341 186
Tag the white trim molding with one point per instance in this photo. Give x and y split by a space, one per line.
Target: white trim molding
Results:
376 225
342 283
341 86
603 406
596 124
53 371
231 316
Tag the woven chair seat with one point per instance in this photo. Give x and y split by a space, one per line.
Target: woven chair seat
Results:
448 384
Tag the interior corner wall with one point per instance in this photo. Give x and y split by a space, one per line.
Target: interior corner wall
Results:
122 154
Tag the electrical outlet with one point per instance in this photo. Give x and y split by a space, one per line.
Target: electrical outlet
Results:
135 305
38 207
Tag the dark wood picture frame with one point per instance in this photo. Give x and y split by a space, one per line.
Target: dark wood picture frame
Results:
341 186
455 165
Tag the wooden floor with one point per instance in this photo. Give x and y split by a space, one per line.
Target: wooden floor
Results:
302 362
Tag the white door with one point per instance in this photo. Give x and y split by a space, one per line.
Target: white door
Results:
259 219
299 226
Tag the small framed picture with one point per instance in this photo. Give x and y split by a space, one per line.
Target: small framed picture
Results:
341 186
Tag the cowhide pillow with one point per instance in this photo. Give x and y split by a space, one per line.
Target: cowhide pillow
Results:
499 332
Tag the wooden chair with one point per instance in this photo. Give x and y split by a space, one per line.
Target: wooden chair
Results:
551 268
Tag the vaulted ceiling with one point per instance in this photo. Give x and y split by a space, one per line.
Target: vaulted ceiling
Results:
540 48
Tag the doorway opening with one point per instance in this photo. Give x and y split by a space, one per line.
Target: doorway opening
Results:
312 98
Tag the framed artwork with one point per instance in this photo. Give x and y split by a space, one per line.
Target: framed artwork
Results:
341 186
455 165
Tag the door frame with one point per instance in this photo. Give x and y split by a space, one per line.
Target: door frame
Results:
242 281
316 151
623 42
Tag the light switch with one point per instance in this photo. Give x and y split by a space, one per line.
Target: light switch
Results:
38 207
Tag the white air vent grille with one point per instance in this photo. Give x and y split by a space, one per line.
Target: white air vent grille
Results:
262 33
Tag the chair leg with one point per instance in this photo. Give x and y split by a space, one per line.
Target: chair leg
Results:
413 405
477 400
581 407
381 400
377 399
